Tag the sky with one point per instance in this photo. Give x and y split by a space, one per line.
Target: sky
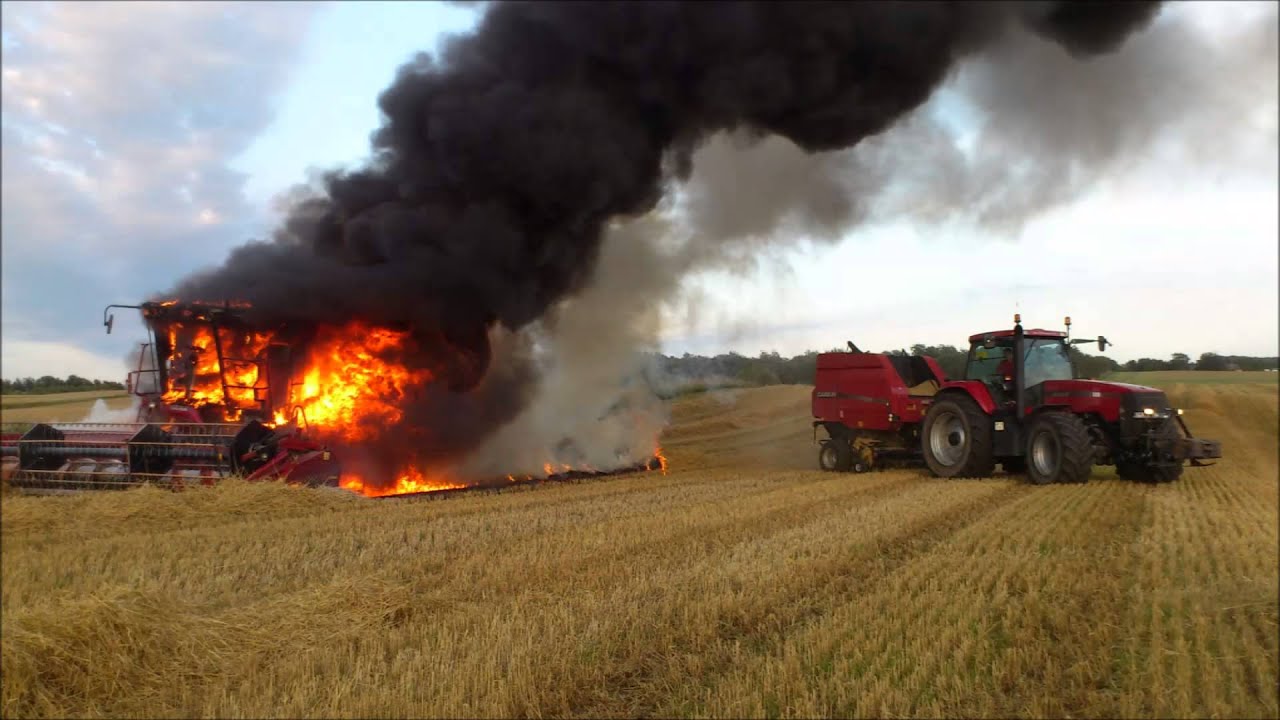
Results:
143 141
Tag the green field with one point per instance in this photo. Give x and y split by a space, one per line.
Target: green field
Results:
58 407
1161 378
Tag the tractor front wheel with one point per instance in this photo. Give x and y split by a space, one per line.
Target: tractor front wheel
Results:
1059 449
835 454
956 439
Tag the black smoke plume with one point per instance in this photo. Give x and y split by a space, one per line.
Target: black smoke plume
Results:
499 164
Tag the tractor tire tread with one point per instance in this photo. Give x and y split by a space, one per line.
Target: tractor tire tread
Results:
1075 448
980 462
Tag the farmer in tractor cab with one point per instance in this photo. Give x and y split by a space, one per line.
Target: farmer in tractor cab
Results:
1003 380
1005 369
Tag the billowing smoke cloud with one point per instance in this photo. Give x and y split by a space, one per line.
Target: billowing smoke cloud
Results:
501 165
1046 129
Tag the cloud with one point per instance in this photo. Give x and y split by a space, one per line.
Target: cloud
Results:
119 120
29 358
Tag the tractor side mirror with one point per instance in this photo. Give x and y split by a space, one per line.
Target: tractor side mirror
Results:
111 320
1102 344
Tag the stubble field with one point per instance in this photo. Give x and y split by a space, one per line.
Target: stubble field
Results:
743 583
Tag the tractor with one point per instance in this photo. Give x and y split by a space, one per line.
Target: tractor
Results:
1019 405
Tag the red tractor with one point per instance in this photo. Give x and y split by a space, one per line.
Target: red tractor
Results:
1019 405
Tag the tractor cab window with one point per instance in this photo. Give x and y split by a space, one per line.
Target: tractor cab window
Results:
1046 359
985 362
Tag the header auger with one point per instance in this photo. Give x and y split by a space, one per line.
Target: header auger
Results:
1019 405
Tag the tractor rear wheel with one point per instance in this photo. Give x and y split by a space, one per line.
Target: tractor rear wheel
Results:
835 454
956 439
1059 449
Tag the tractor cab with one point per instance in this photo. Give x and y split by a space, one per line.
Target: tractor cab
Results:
1008 360
205 363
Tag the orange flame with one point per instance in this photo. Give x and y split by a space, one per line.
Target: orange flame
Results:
196 375
411 481
662 459
348 386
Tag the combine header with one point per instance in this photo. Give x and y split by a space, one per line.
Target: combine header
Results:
79 456
207 409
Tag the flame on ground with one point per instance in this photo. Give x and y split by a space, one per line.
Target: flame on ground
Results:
663 463
414 481
411 481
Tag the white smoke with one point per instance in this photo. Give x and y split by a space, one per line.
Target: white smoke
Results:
102 413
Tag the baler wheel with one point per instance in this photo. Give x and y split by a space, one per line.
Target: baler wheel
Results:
1059 449
956 439
835 455
864 458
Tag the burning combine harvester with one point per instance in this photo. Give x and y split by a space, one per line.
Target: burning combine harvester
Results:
222 393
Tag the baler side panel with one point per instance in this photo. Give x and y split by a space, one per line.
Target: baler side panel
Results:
858 390
908 408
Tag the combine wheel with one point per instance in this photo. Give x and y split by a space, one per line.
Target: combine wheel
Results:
956 439
835 454
1059 449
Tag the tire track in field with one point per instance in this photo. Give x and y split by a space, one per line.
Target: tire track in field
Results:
537 636
936 645
795 606
363 543
642 539
1205 604
400 591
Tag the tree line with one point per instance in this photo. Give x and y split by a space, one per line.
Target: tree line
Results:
1207 361
692 372
49 384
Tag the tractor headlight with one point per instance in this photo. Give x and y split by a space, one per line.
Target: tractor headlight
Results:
1179 411
1148 411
